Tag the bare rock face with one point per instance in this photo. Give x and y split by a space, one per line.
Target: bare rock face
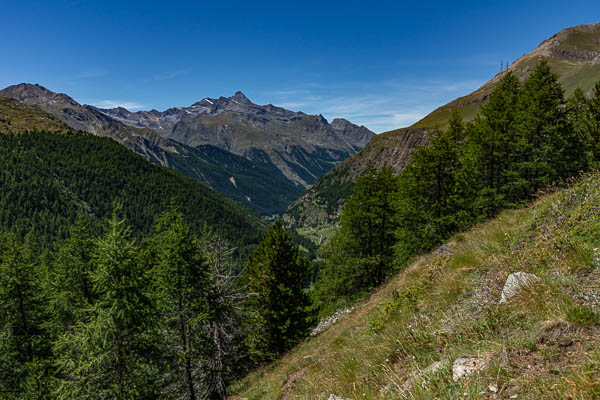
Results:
515 282
302 147
465 366
444 250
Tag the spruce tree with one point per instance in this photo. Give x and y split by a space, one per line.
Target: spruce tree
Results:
368 224
594 110
278 304
67 284
432 202
581 147
491 141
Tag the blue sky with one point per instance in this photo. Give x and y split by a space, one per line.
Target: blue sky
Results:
378 63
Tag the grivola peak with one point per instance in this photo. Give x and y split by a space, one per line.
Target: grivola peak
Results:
302 147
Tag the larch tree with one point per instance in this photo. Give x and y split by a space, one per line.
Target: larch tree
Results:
278 304
112 353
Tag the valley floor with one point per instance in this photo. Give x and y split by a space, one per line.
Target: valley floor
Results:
401 343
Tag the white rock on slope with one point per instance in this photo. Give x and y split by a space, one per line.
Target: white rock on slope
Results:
466 366
515 282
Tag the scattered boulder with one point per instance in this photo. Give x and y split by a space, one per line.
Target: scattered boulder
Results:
515 282
465 366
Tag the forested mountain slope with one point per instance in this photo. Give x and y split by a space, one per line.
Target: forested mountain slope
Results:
319 208
50 179
268 146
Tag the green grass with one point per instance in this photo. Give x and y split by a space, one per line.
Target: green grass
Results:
17 117
572 74
542 344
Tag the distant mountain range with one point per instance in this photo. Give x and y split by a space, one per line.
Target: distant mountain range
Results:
573 54
261 156
53 174
301 146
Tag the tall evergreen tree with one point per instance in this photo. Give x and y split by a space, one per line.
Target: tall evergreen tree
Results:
432 202
182 284
360 255
110 355
67 283
539 156
581 146
278 304
368 224
490 143
594 110
23 347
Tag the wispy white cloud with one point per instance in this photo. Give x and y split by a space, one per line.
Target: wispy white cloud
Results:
380 106
130 105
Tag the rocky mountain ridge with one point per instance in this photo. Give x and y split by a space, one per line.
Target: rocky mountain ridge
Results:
301 146
260 161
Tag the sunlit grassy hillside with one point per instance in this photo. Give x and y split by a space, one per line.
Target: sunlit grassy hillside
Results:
573 54
402 341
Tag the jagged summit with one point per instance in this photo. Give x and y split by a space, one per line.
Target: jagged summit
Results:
241 98
301 146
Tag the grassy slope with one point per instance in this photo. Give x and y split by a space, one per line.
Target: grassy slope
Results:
572 54
543 344
19 118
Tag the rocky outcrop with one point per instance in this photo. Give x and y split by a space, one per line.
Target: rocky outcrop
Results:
466 366
334 397
515 282
327 322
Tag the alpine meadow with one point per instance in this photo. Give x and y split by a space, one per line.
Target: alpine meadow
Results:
244 250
